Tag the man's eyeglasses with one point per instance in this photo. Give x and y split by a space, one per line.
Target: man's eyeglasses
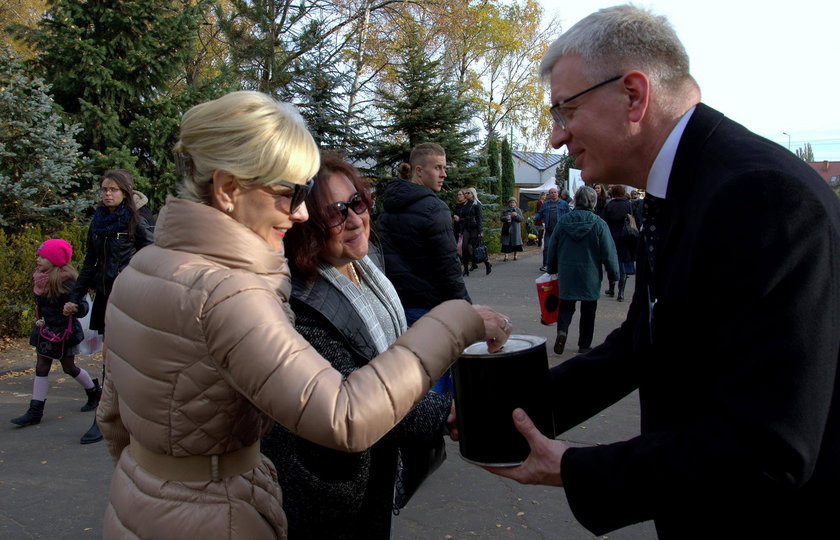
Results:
107 190
298 195
336 213
557 113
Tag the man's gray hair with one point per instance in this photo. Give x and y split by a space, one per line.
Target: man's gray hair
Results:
585 198
618 39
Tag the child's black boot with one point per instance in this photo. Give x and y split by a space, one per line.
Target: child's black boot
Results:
93 395
32 416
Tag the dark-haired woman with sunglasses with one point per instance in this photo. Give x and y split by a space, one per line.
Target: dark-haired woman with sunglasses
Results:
349 311
202 352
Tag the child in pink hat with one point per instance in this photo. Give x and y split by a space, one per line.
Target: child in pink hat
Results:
55 336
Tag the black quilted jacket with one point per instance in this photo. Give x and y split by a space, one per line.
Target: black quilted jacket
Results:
421 256
332 494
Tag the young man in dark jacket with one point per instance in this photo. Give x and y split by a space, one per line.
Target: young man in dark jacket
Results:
421 257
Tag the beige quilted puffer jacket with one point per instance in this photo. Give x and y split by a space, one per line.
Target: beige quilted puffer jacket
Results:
201 352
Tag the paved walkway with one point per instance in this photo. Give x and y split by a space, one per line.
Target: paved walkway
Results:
52 487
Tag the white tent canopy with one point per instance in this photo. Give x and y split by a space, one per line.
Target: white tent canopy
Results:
551 183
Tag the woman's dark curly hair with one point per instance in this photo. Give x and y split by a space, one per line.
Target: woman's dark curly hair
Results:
304 242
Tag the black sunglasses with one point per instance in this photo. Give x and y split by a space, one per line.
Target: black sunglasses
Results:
299 192
336 213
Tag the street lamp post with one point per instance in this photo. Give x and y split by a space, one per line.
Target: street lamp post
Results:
788 136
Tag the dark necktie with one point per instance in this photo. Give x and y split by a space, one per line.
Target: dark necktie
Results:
651 213
651 223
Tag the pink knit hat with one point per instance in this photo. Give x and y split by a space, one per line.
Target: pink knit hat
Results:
57 251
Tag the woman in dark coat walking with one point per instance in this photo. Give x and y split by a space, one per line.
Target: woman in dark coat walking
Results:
114 236
460 201
511 235
615 213
471 231
601 204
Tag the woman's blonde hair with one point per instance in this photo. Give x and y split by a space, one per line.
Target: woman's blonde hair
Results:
252 136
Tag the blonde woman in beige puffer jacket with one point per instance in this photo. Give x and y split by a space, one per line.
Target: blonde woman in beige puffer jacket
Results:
202 353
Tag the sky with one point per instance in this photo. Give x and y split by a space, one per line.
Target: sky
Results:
773 66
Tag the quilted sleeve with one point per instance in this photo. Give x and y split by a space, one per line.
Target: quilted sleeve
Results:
259 353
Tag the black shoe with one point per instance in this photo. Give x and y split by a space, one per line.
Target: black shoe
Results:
93 395
32 416
609 292
543 269
620 298
487 268
584 350
560 343
473 267
92 435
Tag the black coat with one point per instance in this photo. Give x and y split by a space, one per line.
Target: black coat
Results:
328 493
421 256
614 214
470 220
738 372
105 258
50 308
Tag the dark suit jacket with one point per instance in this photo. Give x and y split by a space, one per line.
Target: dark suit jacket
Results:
738 373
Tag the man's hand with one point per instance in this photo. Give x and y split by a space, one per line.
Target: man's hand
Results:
543 463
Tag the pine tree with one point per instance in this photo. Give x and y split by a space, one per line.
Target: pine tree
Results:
318 87
112 66
508 181
424 107
38 153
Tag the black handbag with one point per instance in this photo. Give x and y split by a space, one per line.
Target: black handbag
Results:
416 463
480 252
630 230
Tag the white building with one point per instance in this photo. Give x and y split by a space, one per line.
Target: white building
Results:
532 169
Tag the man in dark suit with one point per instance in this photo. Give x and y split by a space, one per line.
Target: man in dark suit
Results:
733 334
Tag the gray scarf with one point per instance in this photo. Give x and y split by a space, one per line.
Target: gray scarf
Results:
381 288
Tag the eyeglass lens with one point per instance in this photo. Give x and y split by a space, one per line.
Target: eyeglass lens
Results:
557 114
109 189
337 212
299 193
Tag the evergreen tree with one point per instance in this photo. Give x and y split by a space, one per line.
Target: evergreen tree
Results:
112 66
508 181
493 166
805 153
561 174
38 153
424 107
318 87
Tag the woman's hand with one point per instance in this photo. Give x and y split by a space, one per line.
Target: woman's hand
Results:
457 217
497 327
70 309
